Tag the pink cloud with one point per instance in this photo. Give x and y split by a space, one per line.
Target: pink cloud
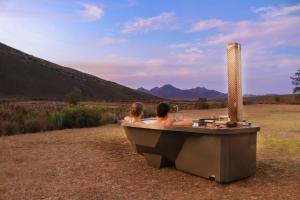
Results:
276 31
190 56
206 24
275 11
91 12
156 63
163 21
111 41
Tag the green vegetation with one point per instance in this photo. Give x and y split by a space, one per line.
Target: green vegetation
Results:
149 112
74 96
18 119
296 81
281 145
201 103
273 99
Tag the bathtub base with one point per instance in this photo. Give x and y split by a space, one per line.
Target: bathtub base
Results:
220 158
157 161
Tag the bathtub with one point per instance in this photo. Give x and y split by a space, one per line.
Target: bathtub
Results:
220 154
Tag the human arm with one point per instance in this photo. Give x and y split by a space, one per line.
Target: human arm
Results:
183 123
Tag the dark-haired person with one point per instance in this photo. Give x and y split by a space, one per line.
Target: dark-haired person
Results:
136 113
163 118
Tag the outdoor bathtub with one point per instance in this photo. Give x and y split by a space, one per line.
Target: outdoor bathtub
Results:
220 154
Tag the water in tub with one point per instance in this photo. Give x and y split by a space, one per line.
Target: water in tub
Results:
149 121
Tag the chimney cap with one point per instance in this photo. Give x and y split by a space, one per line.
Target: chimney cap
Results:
233 44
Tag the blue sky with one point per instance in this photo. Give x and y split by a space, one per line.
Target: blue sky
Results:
143 43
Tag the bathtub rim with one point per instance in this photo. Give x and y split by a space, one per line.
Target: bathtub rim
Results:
196 130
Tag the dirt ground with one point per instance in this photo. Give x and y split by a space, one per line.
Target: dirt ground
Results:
99 163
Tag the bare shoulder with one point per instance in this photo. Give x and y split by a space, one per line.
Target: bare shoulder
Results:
127 118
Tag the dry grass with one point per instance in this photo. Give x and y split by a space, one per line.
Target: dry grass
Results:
98 163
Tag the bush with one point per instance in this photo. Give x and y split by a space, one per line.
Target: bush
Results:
109 118
56 121
16 119
8 128
80 116
223 104
35 122
248 102
201 103
297 98
149 113
74 96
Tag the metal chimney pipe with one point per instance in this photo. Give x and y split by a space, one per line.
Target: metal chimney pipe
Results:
235 96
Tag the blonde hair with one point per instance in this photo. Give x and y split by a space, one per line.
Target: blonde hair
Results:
136 109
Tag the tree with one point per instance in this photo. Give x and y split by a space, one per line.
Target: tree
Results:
74 96
296 81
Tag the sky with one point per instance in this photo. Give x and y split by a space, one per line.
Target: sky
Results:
143 43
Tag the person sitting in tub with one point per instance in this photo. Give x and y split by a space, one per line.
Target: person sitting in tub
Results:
163 118
136 113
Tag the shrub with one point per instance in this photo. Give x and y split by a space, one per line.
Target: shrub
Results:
16 119
297 98
56 121
248 102
201 103
109 118
277 99
80 116
74 96
149 113
223 104
8 128
35 122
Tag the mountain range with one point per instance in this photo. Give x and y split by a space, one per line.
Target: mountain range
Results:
26 76
170 92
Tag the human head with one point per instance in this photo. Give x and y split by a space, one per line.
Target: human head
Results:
136 109
163 109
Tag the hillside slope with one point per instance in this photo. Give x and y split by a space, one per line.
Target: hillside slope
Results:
26 76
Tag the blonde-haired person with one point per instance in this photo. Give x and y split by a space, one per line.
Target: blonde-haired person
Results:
136 113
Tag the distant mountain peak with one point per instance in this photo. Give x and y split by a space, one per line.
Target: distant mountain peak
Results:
168 86
169 91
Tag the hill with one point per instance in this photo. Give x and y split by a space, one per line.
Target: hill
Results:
170 92
25 76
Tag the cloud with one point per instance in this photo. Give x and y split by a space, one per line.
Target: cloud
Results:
165 20
111 41
275 27
206 24
270 31
275 11
180 45
91 12
156 63
123 64
194 56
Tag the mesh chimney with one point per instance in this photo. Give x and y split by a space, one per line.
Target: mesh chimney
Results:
235 96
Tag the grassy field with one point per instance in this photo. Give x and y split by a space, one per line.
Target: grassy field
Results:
99 163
